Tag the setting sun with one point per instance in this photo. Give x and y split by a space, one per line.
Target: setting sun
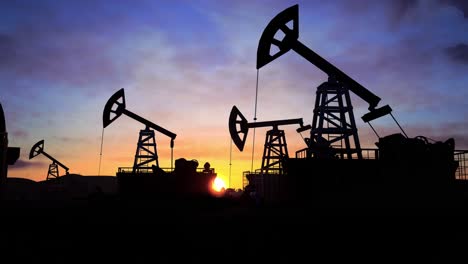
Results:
218 185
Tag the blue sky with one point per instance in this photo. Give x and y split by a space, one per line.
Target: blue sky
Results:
183 65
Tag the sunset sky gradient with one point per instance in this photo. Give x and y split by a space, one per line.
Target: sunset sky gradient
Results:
184 64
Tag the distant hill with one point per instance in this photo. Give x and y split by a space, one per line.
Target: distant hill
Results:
72 186
86 184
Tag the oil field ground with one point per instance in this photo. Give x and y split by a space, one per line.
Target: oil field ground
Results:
206 229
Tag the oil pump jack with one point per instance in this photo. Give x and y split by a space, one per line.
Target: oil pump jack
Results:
147 179
411 165
333 120
146 152
8 155
53 171
275 148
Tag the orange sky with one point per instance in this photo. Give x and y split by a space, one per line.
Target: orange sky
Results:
119 146
185 64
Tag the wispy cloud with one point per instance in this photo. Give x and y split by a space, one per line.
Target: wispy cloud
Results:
462 5
458 53
26 164
183 65
20 133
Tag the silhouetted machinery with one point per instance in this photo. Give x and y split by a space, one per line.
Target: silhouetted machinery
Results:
146 177
8 155
146 152
333 120
275 148
53 171
334 154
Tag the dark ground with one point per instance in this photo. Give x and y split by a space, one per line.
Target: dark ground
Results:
107 229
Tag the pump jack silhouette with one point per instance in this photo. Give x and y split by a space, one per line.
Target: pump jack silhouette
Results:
146 151
275 148
271 232
53 171
333 119
334 155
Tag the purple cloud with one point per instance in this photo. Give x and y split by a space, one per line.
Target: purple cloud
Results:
19 133
7 49
393 11
462 5
23 164
65 57
458 53
61 47
402 7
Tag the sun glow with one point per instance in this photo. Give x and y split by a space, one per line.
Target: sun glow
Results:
218 185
